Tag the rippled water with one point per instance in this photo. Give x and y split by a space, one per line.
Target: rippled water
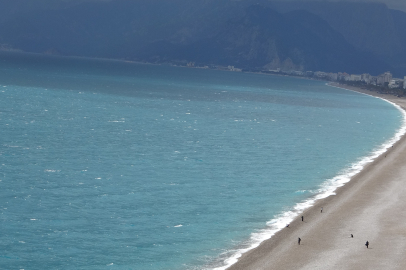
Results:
113 165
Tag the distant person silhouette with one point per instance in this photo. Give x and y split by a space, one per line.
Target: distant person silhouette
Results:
352 236
321 211
367 244
302 218
298 241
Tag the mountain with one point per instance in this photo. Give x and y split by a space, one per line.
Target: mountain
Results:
399 62
251 34
264 38
369 27
114 29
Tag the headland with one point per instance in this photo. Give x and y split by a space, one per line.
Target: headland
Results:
371 207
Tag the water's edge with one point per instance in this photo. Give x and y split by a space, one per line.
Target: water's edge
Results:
326 189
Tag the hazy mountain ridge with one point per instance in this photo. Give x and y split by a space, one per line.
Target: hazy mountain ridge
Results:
368 27
266 38
305 36
359 23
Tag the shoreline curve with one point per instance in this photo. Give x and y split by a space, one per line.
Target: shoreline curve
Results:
367 207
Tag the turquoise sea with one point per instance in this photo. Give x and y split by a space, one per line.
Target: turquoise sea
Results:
117 165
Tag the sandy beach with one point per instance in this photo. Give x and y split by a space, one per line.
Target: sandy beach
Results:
372 207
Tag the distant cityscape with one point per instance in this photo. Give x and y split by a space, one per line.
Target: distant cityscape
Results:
385 79
382 83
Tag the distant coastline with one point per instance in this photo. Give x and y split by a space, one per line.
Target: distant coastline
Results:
391 97
381 84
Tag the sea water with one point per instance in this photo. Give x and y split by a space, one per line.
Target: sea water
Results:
115 165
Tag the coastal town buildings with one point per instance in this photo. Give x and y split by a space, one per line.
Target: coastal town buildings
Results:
355 78
309 73
342 76
395 83
366 78
320 74
297 73
384 78
333 76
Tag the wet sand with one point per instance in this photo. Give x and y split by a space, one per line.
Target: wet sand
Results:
372 207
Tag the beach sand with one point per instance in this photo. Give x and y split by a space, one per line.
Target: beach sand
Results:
372 207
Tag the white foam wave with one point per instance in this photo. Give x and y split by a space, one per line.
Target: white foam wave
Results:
11 146
48 170
325 190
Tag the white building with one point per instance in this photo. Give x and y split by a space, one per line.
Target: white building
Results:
343 76
355 78
384 78
366 78
395 83
333 76
320 74
297 72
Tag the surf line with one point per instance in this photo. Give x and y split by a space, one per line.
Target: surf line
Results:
327 188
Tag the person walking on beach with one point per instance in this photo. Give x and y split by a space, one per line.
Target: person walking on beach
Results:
298 241
352 236
367 243
302 218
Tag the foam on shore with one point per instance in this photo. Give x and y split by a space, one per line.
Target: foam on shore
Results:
326 189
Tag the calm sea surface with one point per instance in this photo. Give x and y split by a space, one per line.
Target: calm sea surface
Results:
114 165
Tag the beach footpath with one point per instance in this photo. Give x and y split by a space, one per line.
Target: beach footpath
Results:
371 207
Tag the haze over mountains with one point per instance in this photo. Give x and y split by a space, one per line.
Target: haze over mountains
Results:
327 36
